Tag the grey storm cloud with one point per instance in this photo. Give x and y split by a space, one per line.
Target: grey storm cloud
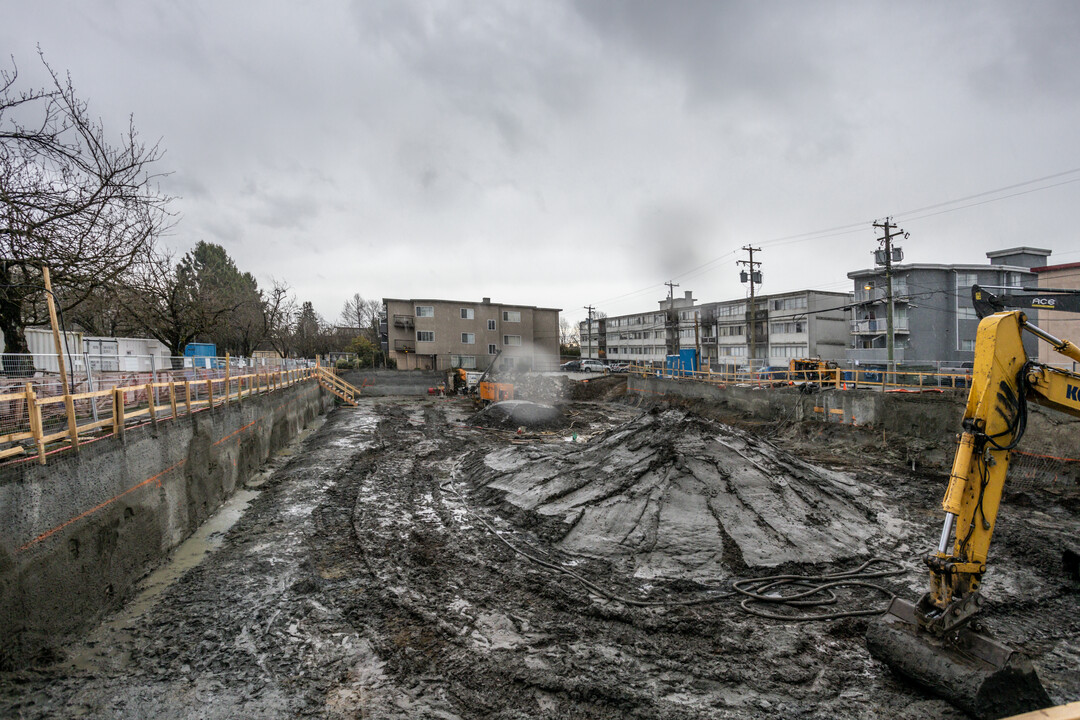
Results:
573 153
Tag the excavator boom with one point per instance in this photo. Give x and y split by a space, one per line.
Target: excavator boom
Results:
931 641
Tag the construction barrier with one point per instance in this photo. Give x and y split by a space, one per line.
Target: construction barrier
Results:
43 413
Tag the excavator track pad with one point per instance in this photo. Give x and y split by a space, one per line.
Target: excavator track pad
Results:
972 671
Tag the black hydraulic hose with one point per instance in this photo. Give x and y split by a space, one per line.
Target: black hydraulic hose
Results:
817 591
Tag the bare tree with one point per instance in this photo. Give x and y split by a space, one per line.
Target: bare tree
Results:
165 302
568 333
362 315
70 199
279 312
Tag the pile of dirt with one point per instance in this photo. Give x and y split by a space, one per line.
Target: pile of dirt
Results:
602 387
676 495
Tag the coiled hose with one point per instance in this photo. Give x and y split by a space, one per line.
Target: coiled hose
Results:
812 591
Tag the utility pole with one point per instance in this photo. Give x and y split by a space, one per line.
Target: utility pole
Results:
752 275
672 339
885 257
589 329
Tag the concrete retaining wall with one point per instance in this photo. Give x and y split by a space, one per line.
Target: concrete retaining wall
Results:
382 383
922 422
76 534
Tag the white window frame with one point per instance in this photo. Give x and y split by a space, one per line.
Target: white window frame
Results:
493 349
427 311
511 316
420 333
468 338
468 314
466 362
491 324
511 341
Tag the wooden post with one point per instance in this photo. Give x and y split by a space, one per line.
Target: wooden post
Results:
150 403
118 412
69 405
209 393
172 397
187 395
33 411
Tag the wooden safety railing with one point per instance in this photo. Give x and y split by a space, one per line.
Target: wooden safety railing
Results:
839 378
162 400
329 380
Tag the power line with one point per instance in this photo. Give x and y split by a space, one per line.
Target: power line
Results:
852 228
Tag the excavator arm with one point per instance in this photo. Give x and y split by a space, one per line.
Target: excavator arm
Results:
930 641
1003 382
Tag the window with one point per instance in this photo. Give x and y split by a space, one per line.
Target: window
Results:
966 313
467 362
491 324
468 338
967 345
511 340
966 280
467 314
511 316
730 310
493 349
788 351
425 311
791 303
781 328
425 336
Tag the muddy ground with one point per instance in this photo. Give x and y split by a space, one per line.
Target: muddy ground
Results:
398 564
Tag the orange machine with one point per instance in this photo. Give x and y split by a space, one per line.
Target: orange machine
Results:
491 391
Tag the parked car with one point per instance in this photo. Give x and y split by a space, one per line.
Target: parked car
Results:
593 366
619 367
571 366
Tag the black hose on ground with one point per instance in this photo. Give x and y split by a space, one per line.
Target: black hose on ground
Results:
812 591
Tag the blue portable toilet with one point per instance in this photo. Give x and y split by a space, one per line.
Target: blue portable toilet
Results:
689 360
201 354
672 365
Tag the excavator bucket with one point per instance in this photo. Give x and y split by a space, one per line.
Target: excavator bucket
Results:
972 671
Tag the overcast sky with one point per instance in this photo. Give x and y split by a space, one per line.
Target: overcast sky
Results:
562 154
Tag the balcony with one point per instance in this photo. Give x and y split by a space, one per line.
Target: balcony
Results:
403 321
404 346
878 326
708 341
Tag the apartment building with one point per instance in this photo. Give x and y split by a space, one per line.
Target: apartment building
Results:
933 316
797 324
804 323
642 337
443 334
1059 324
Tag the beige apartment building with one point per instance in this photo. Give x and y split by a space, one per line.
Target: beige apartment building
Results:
1063 325
443 334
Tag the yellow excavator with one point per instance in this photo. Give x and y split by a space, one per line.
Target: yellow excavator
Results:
932 641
